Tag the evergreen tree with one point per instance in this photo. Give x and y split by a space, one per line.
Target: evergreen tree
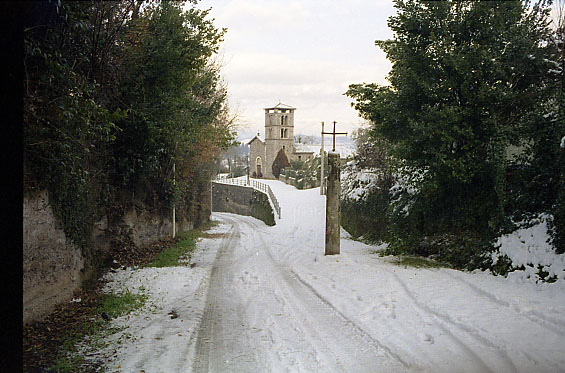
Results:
280 163
466 80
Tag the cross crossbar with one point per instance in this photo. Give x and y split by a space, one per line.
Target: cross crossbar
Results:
333 135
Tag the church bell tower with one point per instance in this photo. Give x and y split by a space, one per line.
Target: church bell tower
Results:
279 133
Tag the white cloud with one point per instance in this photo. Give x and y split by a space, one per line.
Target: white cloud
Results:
303 53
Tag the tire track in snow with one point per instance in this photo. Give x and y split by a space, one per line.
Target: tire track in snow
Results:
218 348
442 318
366 336
315 309
205 329
552 325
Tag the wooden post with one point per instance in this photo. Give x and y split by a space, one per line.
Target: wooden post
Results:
332 205
322 180
333 189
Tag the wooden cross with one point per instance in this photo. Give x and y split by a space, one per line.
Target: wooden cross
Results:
333 134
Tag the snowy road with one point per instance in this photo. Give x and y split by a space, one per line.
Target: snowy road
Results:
266 299
260 316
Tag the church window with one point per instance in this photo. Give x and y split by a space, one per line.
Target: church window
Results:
282 133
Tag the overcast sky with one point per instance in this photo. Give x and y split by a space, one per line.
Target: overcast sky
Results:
301 53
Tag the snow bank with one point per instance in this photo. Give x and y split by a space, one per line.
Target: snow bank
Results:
530 248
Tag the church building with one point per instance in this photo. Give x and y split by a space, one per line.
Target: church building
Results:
279 134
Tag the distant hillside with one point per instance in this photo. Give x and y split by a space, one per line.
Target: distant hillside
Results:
317 140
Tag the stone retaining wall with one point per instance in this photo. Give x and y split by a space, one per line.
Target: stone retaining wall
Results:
242 200
53 267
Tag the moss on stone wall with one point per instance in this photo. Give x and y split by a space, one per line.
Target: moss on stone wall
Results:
261 208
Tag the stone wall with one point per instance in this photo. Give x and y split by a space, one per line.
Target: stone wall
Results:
242 200
292 181
53 267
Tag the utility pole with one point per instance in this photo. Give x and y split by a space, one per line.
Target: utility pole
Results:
322 180
248 170
174 212
332 244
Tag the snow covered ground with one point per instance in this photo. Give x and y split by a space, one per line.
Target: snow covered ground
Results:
266 299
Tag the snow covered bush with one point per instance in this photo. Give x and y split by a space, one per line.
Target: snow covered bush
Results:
365 201
356 183
527 254
305 173
365 189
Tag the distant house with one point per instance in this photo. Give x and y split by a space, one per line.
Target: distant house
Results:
279 134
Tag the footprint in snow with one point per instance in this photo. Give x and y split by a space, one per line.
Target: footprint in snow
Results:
426 338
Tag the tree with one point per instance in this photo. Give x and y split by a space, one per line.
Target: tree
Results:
466 78
365 188
115 93
280 162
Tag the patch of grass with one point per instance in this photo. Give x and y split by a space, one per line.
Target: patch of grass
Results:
118 305
94 328
183 247
210 224
419 262
71 363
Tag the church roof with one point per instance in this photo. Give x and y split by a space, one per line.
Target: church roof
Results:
281 106
256 137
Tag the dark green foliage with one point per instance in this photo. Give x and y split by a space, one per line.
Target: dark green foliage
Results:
470 80
368 216
115 94
464 250
280 162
